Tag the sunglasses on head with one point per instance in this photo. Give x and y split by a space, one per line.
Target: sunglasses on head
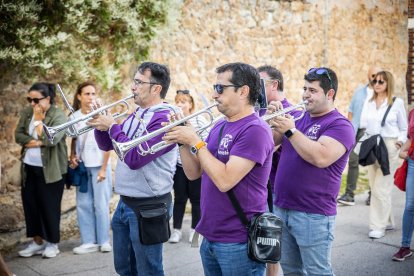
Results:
321 71
219 88
35 100
380 82
183 91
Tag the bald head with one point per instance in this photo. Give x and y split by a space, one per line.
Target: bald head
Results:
372 71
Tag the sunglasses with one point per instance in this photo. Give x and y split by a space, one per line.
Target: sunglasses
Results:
380 82
321 71
219 88
35 100
183 91
138 82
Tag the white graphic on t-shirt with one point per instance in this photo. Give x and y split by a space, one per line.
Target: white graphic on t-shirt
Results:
224 144
313 131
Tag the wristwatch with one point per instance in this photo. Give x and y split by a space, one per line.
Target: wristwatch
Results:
36 123
194 149
290 132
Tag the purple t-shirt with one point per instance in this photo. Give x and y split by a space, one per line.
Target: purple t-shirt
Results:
250 138
304 187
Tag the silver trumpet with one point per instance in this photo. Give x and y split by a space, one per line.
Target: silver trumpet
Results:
122 149
300 106
72 132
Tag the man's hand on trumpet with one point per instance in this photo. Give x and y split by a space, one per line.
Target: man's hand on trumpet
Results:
101 122
185 135
273 107
282 123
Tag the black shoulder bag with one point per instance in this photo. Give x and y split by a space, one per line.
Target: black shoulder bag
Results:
264 231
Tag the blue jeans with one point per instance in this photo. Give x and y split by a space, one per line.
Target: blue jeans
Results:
93 207
228 259
130 256
306 242
408 216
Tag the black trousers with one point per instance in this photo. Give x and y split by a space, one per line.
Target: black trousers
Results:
42 205
185 189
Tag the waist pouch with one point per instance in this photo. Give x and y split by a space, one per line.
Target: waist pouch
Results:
153 217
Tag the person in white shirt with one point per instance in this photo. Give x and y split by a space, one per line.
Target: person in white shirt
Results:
92 205
184 188
394 134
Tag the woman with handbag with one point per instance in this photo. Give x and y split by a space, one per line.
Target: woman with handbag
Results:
382 107
92 199
43 165
408 216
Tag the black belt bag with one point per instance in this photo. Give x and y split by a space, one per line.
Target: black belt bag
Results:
153 217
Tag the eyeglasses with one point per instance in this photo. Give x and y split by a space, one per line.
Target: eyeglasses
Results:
35 100
321 71
138 82
269 80
219 88
380 82
183 91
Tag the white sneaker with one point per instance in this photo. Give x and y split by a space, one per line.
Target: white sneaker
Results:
106 247
175 236
86 248
51 250
32 249
376 234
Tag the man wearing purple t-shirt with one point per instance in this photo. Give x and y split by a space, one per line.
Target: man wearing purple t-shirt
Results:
236 156
143 181
314 155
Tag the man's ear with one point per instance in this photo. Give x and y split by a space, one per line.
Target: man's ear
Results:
244 91
156 89
331 93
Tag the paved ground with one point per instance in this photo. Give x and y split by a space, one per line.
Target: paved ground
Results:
353 252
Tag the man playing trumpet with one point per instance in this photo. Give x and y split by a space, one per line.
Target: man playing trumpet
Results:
231 158
143 181
317 146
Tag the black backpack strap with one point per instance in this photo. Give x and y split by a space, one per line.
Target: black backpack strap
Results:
269 196
236 206
386 112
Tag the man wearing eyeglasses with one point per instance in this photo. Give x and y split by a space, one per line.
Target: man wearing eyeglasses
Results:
315 152
354 115
236 156
144 181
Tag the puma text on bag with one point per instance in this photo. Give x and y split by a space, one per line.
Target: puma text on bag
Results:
265 235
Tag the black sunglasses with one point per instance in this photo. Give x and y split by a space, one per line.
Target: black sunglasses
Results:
219 88
183 91
35 100
321 71
380 82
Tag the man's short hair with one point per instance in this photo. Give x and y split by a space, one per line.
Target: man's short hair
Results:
327 79
273 74
160 74
243 74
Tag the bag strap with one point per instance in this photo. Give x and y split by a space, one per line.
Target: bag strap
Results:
230 193
386 112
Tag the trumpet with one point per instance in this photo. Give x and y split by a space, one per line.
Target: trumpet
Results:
122 149
300 106
72 132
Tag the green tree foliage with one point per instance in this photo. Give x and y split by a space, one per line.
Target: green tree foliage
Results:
75 40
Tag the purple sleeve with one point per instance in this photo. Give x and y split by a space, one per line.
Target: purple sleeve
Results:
342 131
133 159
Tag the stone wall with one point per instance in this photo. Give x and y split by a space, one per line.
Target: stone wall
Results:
294 36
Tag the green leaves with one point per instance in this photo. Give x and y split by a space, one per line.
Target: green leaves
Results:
75 40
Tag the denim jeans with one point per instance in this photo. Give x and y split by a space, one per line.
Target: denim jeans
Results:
408 216
306 242
228 259
130 256
93 207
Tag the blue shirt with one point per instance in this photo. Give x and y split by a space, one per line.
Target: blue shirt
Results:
355 107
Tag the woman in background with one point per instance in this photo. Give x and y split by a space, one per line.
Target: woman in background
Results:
184 188
408 216
394 134
43 165
92 198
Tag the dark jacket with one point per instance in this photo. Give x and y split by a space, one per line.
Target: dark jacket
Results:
374 149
